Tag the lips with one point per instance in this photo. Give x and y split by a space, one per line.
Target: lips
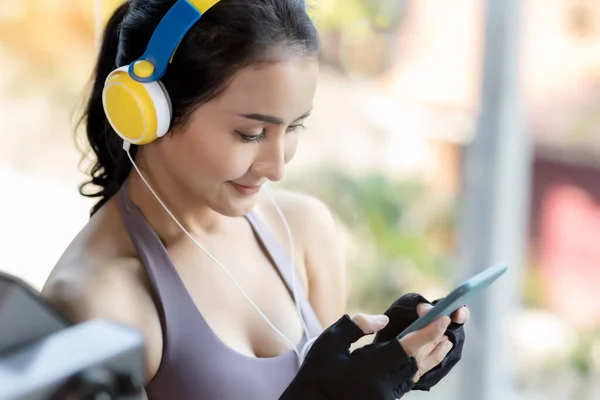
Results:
245 190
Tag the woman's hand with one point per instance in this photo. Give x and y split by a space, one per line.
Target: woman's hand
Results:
428 346
378 371
403 312
370 323
460 316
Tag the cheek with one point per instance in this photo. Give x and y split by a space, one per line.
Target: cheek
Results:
209 159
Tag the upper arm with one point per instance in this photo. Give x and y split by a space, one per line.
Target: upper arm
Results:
113 293
325 263
321 245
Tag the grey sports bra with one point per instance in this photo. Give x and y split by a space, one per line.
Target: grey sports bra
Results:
196 364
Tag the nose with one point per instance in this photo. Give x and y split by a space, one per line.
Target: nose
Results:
271 160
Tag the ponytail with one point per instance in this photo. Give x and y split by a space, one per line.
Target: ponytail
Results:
112 166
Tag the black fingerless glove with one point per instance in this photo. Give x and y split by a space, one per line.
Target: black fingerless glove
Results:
379 371
402 313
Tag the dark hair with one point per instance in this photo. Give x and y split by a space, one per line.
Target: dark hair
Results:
232 35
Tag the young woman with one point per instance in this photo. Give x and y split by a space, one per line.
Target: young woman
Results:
228 282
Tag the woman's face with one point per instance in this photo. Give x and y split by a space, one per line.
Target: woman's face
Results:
235 143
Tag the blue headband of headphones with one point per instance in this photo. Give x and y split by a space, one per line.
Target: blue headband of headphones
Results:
152 65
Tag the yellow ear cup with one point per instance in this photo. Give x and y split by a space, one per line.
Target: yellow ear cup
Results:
203 5
138 112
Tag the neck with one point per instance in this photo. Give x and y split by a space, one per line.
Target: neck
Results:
197 218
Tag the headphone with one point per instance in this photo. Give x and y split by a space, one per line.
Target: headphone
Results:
135 102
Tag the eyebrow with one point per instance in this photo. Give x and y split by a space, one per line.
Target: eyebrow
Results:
269 119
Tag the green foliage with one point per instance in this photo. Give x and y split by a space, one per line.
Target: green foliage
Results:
582 355
402 238
534 292
336 14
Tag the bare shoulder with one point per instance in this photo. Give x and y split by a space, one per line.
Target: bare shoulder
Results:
310 220
94 265
305 213
320 244
108 289
98 276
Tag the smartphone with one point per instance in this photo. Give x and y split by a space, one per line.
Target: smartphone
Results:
457 298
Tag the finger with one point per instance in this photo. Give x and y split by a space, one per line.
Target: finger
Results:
422 342
337 338
423 308
370 323
461 316
425 351
433 359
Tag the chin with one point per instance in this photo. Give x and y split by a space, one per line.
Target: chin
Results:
231 208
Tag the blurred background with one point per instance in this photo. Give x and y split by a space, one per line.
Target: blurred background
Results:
447 135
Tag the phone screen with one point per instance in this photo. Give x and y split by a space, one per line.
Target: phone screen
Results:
458 297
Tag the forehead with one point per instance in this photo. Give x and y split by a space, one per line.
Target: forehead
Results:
284 89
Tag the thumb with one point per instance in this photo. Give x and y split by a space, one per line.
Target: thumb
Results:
336 339
370 323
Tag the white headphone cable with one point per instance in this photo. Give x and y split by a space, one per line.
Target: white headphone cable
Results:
292 262
299 354
98 31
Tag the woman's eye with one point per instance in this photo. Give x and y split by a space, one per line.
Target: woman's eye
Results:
257 138
251 138
293 128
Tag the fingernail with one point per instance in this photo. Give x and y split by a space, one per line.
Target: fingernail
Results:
380 320
448 346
